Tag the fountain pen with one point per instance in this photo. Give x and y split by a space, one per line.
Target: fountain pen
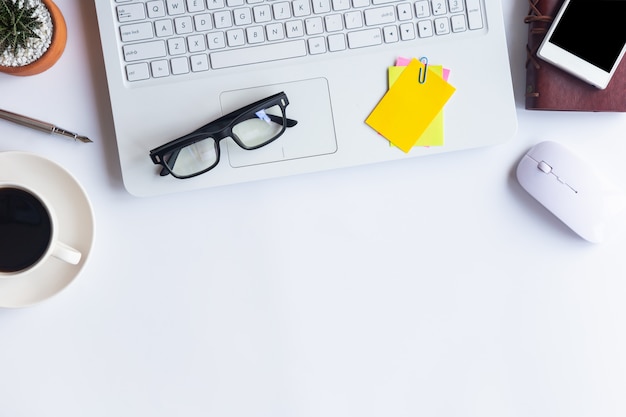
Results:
39 125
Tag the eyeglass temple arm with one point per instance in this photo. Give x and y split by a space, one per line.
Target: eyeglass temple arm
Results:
278 119
164 171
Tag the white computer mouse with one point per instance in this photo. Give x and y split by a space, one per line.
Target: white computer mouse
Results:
571 189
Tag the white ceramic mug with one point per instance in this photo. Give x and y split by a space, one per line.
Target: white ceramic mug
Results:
28 231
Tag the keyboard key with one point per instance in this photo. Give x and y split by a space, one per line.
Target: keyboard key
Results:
262 13
294 29
301 8
321 6
282 10
258 54
474 14
164 28
160 68
354 20
363 38
175 7
202 22
425 29
155 9
236 37
195 6
255 34
275 32
215 4
196 43
199 63
442 26
144 51
137 72
180 65
223 19
136 32
216 40
131 12
183 25
336 42
422 9
317 45
333 22
243 16
458 23
404 11
407 31
439 7
314 26
380 16
390 34
176 46
455 6
340 5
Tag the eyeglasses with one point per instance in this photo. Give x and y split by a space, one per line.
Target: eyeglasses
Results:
251 127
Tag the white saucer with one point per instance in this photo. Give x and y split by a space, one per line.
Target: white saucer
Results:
76 227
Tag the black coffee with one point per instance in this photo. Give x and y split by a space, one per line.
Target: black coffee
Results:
25 229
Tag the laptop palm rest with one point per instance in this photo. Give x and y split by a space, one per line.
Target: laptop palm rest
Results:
309 104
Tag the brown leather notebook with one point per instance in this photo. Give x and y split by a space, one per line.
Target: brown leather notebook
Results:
550 88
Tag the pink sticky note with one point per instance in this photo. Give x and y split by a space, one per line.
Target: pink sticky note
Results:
402 62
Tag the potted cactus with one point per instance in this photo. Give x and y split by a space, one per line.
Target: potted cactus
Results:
32 36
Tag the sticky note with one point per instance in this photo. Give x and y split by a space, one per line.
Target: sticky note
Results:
408 107
403 62
433 135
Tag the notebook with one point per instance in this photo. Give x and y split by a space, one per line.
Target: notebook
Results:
175 65
551 88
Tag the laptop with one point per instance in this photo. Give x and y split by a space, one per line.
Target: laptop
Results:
173 66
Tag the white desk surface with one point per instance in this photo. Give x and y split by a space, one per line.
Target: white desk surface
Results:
428 287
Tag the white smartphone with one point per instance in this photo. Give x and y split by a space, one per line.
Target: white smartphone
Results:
587 39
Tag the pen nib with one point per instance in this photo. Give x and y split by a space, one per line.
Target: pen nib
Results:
71 135
83 139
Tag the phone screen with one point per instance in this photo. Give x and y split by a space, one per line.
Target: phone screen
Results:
593 30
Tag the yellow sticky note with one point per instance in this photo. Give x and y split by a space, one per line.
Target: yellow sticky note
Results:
433 135
408 107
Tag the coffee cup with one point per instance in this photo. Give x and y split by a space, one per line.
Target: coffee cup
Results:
29 231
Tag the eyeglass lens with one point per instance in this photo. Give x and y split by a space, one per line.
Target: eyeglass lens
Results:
260 128
251 132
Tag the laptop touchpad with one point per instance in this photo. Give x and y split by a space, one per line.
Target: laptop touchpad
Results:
309 104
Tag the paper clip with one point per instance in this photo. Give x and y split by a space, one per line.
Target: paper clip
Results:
422 74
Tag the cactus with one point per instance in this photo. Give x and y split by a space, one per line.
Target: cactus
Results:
18 23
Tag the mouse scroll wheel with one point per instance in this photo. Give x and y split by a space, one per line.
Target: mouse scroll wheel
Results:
543 166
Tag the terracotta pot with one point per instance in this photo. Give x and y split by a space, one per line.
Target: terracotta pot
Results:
54 52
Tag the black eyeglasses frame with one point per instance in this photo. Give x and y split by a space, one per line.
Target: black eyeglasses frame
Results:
221 128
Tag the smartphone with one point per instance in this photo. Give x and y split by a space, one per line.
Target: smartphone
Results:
587 39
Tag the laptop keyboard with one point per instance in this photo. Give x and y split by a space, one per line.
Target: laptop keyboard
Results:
167 38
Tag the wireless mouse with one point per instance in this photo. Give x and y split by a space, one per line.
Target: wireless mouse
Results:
570 189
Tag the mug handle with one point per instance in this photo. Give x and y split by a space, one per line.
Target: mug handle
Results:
66 253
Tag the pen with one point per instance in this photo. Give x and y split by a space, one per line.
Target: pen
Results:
39 125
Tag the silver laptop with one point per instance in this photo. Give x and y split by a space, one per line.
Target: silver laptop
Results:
175 65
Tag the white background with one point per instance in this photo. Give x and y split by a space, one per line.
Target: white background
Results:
427 287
